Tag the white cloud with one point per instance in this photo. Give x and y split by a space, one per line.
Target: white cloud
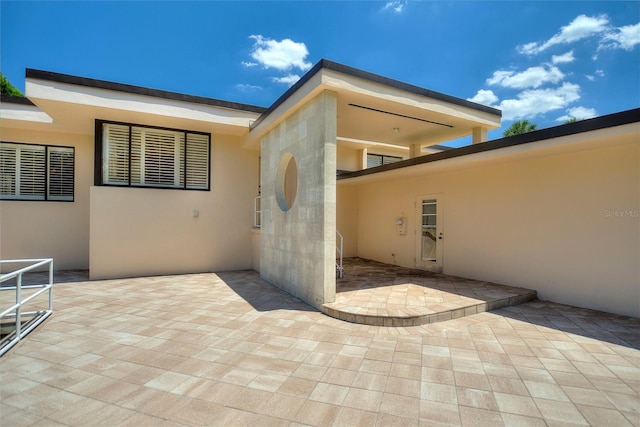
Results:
531 103
289 79
395 6
532 77
249 64
247 87
579 113
591 77
580 28
281 55
484 97
621 38
564 58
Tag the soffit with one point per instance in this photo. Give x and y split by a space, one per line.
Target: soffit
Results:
15 114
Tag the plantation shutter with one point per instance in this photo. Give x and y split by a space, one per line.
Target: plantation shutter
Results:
60 173
197 161
8 155
156 157
151 157
387 160
373 160
36 172
115 156
31 171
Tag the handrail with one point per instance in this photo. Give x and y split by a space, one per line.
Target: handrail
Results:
339 249
15 311
257 212
7 276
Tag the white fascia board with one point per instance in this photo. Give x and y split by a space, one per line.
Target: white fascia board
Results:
343 82
308 90
27 113
81 95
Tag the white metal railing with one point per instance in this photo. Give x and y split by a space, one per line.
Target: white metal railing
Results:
339 248
15 311
257 212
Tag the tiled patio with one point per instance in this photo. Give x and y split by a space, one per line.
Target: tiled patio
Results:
377 294
229 349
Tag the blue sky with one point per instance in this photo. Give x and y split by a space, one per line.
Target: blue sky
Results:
544 61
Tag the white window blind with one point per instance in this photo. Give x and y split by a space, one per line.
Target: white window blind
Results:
374 160
25 170
116 154
198 156
31 171
151 157
61 170
8 165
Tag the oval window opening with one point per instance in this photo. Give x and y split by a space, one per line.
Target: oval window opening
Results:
286 182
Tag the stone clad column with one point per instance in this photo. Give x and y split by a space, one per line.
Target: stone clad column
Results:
298 230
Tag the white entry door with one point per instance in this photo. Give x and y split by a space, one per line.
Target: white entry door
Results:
429 234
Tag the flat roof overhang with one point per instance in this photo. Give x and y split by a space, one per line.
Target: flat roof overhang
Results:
21 112
372 108
75 102
604 131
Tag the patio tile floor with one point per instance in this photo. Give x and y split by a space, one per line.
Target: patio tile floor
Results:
377 294
230 349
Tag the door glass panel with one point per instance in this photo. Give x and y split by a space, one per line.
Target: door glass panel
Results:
429 223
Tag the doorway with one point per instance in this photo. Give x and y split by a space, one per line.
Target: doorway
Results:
429 233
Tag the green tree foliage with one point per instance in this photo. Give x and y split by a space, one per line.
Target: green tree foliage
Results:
519 127
571 120
7 88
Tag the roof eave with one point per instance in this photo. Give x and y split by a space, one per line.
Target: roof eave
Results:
375 78
138 90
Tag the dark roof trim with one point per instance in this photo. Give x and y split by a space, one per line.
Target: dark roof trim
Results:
375 78
603 122
440 147
16 100
138 90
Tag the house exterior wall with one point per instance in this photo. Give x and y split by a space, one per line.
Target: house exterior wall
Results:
138 231
298 246
347 218
348 158
565 224
59 230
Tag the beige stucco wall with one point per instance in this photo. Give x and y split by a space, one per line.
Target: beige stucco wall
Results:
58 230
348 158
347 218
137 232
298 246
563 223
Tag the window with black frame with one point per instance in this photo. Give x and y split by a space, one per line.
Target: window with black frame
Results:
36 172
145 156
374 160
